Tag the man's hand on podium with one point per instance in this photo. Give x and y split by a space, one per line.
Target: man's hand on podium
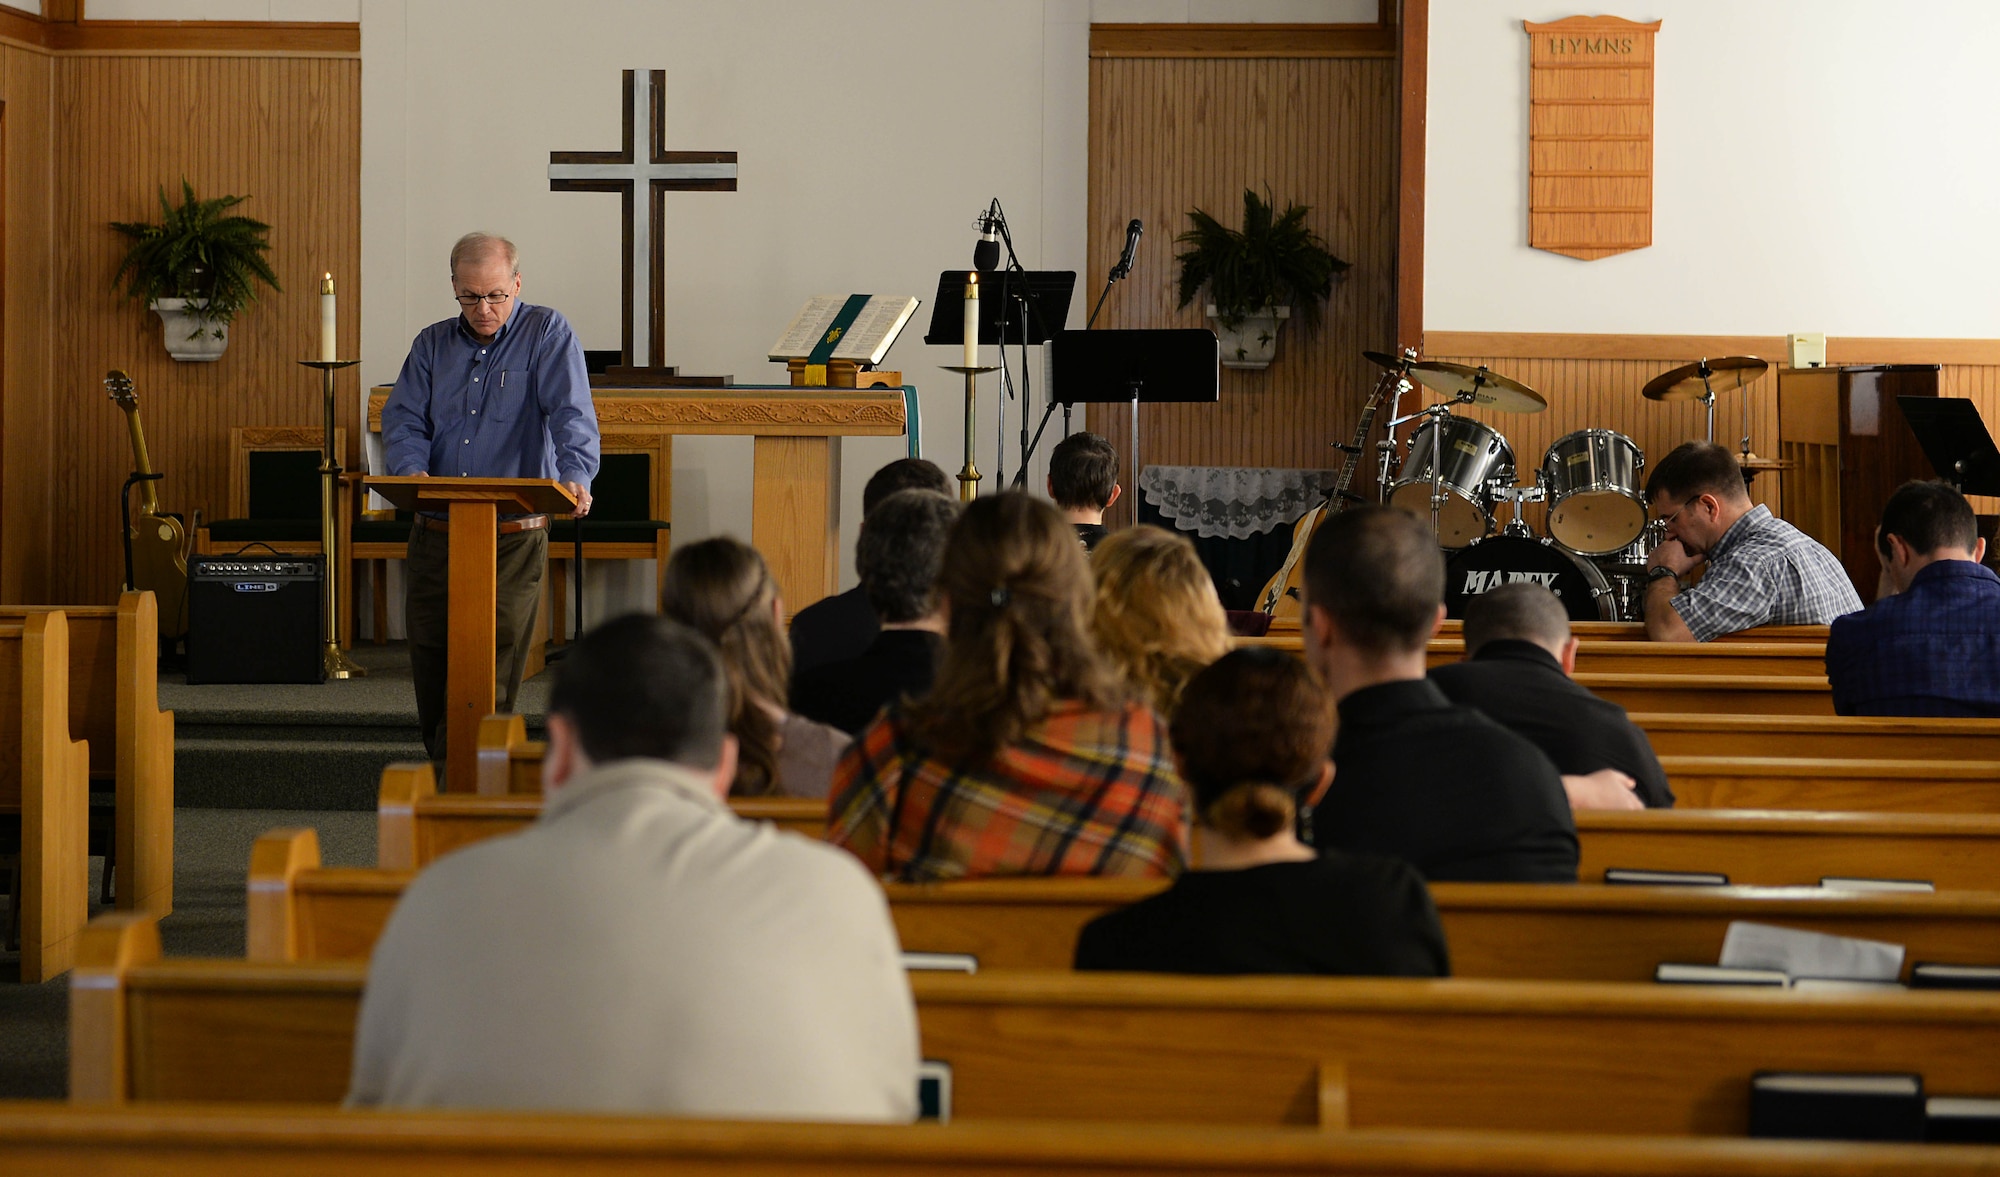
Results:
582 494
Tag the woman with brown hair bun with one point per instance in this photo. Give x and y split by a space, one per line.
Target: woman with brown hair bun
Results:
1156 617
1025 758
1250 738
722 589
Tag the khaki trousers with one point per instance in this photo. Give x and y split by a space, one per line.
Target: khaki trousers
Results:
520 560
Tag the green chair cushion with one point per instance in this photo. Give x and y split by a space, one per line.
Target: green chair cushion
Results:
270 531
562 532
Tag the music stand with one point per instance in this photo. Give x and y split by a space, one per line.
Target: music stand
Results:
1047 293
1955 439
1181 365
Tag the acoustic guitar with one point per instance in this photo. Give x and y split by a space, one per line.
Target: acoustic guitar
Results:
159 542
1284 594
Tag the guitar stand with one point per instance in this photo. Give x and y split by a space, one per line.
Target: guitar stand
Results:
169 652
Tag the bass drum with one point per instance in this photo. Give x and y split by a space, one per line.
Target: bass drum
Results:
1504 559
1474 455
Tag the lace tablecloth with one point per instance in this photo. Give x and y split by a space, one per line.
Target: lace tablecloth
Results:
1232 501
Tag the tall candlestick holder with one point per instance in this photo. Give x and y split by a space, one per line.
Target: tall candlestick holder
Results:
337 664
968 474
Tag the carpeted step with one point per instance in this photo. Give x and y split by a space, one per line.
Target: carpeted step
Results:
302 771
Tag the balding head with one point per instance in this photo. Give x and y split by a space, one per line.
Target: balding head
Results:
478 249
1523 611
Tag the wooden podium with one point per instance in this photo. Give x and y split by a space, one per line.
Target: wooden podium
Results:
473 506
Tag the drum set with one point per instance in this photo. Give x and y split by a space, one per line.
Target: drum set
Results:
1458 472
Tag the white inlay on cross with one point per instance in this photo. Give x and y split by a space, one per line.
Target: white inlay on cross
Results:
643 166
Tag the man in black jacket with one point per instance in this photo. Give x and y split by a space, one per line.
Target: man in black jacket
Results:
841 626
1415 775
1519 658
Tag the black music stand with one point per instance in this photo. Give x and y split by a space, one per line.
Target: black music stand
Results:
1042 297
1955 439
1180 365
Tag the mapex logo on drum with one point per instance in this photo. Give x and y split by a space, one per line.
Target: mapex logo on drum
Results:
1477 582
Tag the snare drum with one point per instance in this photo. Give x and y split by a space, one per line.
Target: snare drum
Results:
1474 455
1503 559
1597 504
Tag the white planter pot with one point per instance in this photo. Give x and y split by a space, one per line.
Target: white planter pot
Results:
188 334
1253 343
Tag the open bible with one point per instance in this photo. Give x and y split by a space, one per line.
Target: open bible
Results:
858 328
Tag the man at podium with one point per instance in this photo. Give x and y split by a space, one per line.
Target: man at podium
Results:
497 391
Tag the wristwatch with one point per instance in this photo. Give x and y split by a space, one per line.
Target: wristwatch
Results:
1661 573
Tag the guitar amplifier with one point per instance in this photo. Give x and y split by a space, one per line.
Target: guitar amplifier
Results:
255 620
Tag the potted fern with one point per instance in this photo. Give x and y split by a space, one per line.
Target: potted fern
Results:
197 269
1256 277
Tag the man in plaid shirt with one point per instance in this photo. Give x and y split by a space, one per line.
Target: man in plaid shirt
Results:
1760 569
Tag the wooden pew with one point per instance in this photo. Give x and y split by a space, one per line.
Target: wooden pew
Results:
1726 659
415 824
249 1140
45 778
1867 786
1750 694
1461 1053
1955 852
1813 736
300 911
1617 631
114 706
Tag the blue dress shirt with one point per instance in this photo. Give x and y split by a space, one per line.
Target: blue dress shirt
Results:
1933 650
518 407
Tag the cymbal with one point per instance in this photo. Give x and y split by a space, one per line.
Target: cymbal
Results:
1685 382
1382 359
1753 462
1487 388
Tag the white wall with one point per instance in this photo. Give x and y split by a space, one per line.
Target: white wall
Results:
869 134
1819 165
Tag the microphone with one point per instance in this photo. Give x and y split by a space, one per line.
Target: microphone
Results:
1124 267
986 254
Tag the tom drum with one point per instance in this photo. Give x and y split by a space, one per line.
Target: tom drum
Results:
1473 455
1597 503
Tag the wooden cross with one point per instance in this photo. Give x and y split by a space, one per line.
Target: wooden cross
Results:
657 173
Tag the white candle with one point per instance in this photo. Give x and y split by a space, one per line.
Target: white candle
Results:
972 320
329 348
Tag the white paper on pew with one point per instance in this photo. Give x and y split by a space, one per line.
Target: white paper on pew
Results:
1809 954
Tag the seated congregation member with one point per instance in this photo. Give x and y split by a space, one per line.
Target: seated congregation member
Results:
1026 758
841 626
1759 569
1250 740
722 589
1519 658
640 949
1156 618
1083 480
1930 644
901 544
1415 775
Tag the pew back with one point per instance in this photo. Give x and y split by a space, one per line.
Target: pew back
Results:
45 778
1597 656
1955 852
1462 1053
1810 736
1747 694
1865 786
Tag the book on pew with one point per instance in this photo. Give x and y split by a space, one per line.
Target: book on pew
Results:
1843 985
1839 883
1932 975
934 1090
1804 1105
1797 953
1664 878
940 962
1956 1120
1710 974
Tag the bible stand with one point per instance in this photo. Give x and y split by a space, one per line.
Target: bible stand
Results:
1955 439
472 506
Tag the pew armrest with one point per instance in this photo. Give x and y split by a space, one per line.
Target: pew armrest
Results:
275 862
499 738
99 1046
403 786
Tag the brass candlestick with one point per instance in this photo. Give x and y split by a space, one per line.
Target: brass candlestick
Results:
337 664
968 475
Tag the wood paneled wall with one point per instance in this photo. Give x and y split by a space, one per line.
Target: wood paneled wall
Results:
1171 134
29 459
284 131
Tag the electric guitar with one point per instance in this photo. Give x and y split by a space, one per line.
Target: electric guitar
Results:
1284 594
159 544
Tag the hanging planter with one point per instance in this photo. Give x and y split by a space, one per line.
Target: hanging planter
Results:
187 330
1252 342
1256 277
196 269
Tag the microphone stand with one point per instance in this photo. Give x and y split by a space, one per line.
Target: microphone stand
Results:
1118 272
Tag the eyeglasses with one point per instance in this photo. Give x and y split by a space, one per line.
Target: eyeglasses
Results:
1666 519
497 298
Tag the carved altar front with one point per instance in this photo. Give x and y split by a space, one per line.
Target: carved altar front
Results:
795 475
